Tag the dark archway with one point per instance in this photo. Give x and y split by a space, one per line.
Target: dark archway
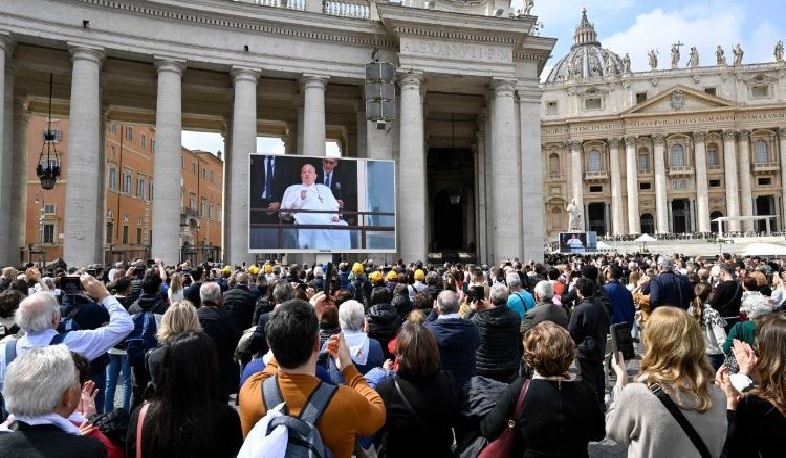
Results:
680 213
765 205
596 216
647 223
448 223
714 224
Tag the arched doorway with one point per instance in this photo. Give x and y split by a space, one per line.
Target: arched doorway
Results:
714 224
647 223
765 205
448 223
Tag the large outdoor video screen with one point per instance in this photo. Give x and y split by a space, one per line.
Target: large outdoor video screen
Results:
578 242
318 204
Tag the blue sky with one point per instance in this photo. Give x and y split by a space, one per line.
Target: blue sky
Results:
635 27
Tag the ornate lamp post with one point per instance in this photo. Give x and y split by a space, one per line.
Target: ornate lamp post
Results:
48 169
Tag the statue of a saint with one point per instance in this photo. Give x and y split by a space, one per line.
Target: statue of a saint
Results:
626 63
778 52
720 55
675 54
694 57
528 4
653 55
569 70
611 67
738 52
574 216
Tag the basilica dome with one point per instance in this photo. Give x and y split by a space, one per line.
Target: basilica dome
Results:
587 58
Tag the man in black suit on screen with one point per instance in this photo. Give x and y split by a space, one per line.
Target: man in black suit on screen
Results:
270 176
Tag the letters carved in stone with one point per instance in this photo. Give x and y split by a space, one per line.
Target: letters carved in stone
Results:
471 52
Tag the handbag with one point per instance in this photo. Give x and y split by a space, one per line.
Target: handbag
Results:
664 398
502 446
139 423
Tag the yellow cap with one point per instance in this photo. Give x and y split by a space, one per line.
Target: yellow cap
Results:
420 275
357 268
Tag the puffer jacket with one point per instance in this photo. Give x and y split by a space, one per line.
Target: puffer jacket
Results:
383 325
498 355
402 304
148 303
240 301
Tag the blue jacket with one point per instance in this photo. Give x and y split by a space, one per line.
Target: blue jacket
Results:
668 288
458 340
622 308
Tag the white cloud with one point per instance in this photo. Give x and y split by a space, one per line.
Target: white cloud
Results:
204 141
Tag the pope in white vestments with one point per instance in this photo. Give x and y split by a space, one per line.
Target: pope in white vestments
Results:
312 196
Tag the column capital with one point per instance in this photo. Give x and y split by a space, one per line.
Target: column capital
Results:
658 139
80 51
575 145
7 43
630 141
244 74
698 136
314 81
782 132
744 133
614 142
410 80
169 64
503 88
729 135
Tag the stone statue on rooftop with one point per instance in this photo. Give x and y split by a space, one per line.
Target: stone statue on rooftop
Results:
675 54
720 55
738 52
653 55
778 52
574 215
693 61
626 63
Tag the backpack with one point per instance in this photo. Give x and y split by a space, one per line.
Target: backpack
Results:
10 355
141 339
360 291
278 435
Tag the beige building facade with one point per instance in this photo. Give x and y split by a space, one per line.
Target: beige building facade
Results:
666 150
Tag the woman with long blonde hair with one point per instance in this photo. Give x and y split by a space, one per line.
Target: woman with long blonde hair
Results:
675 373
758 419
175 292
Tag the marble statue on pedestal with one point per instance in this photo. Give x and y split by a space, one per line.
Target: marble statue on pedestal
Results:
574 215
694 57
653 55
626 63
720 55
778 52
738 52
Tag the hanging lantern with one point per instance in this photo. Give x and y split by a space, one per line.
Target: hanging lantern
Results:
48 169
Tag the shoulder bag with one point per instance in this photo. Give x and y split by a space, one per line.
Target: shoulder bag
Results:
502 446
664 398
140 421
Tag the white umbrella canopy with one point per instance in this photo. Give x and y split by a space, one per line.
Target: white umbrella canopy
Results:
603 246
646 238
764 249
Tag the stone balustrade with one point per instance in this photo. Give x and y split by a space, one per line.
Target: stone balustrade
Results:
298 5
358 9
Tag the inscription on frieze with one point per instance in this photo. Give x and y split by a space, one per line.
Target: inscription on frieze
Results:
452 50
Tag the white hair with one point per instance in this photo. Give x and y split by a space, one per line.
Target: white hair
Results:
37 312
351 315
36 381
544 290
210 292
513 279
499 294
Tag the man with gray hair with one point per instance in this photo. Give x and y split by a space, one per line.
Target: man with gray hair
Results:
38 316
520 300
42 390
498 354
458 339
546 310
240 301
669 288
218 323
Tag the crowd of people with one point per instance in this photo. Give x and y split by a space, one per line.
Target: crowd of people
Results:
395 360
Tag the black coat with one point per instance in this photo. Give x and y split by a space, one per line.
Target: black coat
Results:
45 441
283 176
558 419
240 302
458 340
148 303
589 324
383 325
402 304
191 294
498 355
219 325
727 298
434 402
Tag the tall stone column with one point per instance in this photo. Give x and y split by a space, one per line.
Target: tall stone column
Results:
782 147
298 101
631 163
411 211
6 154
702 201
244 142
18 209
661 204
166 161
226 205
506 177
730 176
488 177
314 114
82 231
533 207
746 204
577 177
480 189
617 216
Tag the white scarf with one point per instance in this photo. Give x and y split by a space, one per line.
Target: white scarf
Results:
358 344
